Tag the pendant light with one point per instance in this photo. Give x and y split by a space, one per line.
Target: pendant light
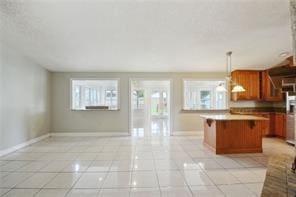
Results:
221 88
235 86
238 88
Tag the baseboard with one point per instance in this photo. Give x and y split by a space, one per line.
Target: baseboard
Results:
32 141
22 145
188 133
89 134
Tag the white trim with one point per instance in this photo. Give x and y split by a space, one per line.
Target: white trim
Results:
89 134
22 145
37 139
172 109
129 106
188 133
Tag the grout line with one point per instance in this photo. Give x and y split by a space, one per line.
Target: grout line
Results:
9 189
142 143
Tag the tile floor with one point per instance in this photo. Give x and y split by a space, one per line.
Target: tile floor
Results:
132 166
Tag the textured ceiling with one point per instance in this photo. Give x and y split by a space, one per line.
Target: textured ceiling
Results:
147 35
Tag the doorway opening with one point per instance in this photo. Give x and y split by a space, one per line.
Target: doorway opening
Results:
150 111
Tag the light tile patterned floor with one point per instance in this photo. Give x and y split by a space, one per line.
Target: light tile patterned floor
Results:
132 166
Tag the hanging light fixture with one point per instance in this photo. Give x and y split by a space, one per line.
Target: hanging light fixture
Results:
235 86
238 88
221 88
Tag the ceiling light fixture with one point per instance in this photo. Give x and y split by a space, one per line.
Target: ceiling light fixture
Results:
221 88
284 54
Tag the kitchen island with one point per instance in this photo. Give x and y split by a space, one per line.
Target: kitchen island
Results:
229 133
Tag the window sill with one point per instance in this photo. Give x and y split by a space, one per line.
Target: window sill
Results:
204 110
95 109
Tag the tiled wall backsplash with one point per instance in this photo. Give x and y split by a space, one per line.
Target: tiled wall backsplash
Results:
254 106
257 109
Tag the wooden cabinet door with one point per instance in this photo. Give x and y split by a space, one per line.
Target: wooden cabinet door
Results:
284 126
269 93
280 125
266 126
272 119
250 80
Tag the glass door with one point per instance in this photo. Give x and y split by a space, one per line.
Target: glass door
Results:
159 104
150 108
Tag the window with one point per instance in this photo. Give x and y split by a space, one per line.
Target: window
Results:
202 95
95 94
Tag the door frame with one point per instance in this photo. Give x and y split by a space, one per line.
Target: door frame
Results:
171 117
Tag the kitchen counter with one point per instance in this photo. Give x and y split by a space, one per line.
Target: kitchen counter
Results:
228 133
232 117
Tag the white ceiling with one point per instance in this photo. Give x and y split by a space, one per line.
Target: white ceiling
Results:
147 35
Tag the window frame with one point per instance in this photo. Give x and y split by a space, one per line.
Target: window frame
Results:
205 110
94 78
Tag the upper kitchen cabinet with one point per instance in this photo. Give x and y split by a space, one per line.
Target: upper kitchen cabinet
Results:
269 93
250 80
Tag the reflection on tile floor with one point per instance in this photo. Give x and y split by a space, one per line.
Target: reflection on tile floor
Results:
154 127
132 166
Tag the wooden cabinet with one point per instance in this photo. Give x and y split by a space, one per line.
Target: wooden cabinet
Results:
266 125
280 125
276 126
269 93
250 80
233 136
271 125
257 84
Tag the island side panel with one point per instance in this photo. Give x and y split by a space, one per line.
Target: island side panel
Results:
239 136
210 134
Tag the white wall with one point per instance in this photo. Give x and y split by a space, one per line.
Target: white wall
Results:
66 120
24 99
1 102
